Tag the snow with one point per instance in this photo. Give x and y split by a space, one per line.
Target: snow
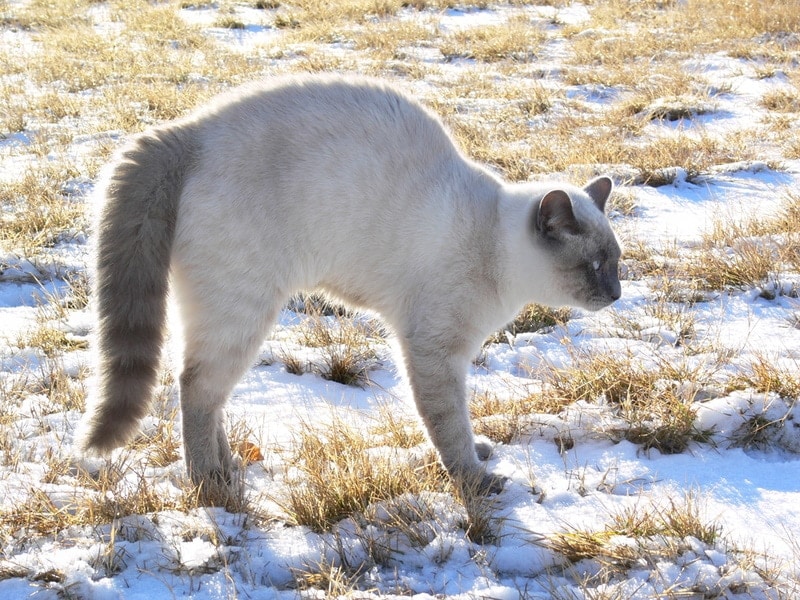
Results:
752 493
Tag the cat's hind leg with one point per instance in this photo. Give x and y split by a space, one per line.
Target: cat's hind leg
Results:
222 333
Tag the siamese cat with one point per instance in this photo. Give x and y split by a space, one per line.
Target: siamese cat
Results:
346 185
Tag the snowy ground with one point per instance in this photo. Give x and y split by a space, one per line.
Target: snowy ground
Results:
750 493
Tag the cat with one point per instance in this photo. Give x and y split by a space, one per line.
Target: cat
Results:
346 185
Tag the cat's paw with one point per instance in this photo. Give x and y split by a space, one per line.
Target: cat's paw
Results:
492 484
482 484
484 449
221 487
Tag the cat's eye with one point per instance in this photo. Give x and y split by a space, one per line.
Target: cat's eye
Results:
596 265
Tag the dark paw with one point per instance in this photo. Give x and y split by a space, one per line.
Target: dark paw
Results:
492 484
484 449
219 487
215 477
482 484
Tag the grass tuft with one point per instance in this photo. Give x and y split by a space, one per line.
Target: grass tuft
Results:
765 374
342 472
517 40
651 399
345 348
532 318
331 578
40 211
648 533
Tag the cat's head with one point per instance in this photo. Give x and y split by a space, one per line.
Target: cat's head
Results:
570 225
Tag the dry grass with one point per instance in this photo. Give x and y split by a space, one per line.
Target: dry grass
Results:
122 486
640 533
342 472
517 40
576 143
396 432
749 253
346 348
653 400
766 374
43 14
162 87
532 318
40 212
744 266
333 579
386 531
753 252
502 420
388 40
118 490
671 26
784 101
626 77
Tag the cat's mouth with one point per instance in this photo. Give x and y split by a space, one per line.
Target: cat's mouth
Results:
593 288
598 302
595 304
601 303
607 291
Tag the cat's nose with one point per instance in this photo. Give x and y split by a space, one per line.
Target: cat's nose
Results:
616 291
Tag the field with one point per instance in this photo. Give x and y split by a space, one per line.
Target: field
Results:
652 449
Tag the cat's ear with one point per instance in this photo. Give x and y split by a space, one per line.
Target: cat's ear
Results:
555 215
599 190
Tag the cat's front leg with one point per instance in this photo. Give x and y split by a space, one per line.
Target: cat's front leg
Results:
437 379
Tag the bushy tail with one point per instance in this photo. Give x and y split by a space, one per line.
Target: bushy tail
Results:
135 233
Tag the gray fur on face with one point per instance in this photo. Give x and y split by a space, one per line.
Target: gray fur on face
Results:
572 228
